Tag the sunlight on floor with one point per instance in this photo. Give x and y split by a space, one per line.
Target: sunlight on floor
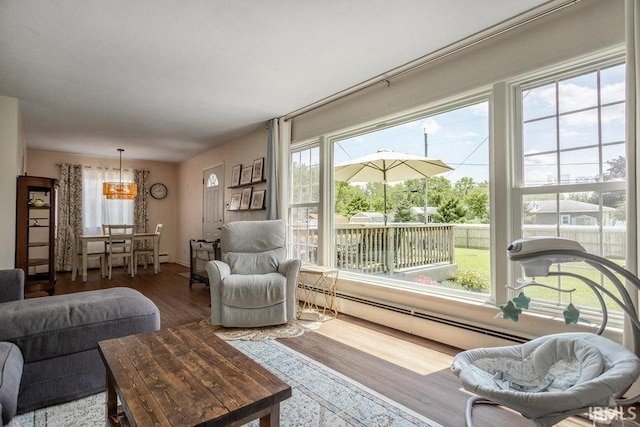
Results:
416 358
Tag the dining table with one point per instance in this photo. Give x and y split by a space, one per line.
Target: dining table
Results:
150 236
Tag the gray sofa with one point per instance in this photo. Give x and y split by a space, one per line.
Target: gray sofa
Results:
57 338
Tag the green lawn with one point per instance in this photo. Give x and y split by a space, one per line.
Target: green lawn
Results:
478 260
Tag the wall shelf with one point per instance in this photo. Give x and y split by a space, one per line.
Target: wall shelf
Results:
247 185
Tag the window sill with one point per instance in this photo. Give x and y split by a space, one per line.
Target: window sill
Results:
464 308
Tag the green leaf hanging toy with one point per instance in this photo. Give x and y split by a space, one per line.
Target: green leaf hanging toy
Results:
571 314
522 301
510 311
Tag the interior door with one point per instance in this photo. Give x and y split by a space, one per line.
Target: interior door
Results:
213 202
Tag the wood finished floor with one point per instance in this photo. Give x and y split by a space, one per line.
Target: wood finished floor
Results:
408 369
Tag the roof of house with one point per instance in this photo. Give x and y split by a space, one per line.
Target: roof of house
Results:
566 206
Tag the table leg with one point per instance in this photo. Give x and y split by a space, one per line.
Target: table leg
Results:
156 255
84 260
111 401
272 419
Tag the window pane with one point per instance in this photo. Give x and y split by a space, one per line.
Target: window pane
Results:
304 234
579 129
578 93
591 150
579 166
305 176
540 170
424 218
539 102
615 162
612 81
540 136
613 123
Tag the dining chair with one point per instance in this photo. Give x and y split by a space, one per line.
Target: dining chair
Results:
76 253
145 252
120 245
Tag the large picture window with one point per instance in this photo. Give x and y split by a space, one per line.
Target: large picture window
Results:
429 231
97 209
572 167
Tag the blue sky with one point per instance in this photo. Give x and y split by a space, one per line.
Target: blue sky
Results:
459 138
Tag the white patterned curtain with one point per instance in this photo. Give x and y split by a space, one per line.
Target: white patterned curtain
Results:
69 213
97 209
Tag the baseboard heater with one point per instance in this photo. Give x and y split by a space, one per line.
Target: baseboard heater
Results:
430 317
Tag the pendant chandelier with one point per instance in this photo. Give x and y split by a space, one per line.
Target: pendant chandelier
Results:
120 190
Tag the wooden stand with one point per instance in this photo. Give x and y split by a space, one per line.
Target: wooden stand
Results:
36 231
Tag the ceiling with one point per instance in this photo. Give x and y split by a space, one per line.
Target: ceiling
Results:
169 79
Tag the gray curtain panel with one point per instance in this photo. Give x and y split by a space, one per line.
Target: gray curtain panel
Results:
271 201
69 213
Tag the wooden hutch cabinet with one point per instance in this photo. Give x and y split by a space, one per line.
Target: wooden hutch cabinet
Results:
36 231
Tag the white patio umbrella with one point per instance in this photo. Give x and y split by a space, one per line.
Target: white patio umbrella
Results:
386 165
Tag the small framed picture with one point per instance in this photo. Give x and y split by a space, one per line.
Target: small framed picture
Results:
235 175
257 199
234 204
245 201
245 178
258 166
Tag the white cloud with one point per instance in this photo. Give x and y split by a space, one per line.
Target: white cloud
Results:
431 126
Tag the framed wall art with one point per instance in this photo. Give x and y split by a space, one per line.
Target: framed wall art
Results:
258 170
245 201
245 178
235 175
257 199
234 204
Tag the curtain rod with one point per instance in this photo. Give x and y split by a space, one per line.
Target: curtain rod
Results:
482 36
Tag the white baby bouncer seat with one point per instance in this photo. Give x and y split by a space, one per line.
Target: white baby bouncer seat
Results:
555 376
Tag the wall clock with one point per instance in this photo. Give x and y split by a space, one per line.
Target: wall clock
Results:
158 191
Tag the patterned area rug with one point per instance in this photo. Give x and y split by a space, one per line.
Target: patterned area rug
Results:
288 330
321 397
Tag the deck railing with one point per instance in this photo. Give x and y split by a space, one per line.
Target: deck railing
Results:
385 249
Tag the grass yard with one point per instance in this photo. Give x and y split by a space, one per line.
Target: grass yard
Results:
478 260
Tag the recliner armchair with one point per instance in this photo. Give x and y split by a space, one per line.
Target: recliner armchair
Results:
254 284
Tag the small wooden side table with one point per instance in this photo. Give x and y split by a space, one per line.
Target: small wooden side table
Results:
314 280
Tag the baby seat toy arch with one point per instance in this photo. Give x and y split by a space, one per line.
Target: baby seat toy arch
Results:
555 376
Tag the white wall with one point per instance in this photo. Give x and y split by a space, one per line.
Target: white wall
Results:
243 151
11 165
583 28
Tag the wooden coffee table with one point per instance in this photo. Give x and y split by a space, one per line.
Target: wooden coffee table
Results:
187 376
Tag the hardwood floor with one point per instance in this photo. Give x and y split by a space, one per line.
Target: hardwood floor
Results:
410 370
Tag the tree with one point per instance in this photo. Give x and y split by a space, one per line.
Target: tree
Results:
617 168
403 212
358 204
464 186
450 211
477 203
439 189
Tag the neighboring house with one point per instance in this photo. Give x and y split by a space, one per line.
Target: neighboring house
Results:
572 212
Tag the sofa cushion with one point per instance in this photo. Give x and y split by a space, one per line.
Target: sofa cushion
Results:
253 291
11 364
64 324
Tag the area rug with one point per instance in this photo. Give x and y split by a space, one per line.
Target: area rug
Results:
288 330
321 397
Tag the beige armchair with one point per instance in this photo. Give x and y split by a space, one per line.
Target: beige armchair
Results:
254 284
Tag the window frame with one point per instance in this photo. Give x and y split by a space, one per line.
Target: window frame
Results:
295 148
519 191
